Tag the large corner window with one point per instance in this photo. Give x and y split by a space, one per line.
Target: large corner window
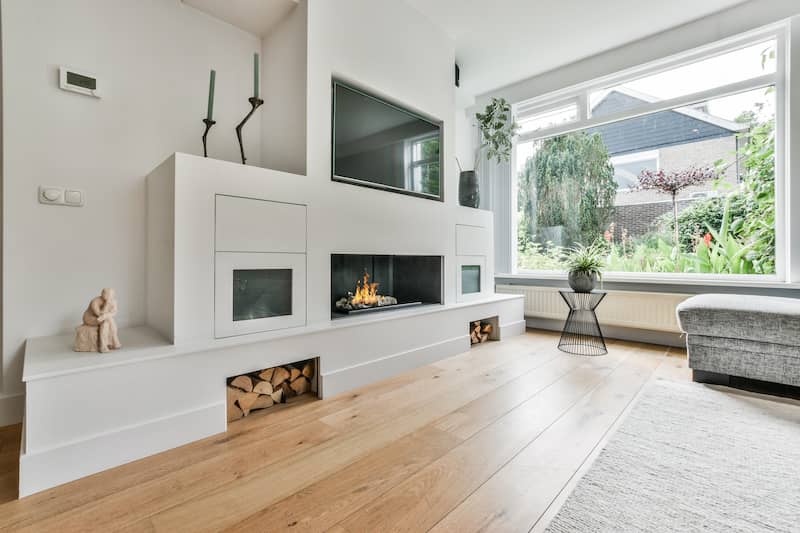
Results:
670 171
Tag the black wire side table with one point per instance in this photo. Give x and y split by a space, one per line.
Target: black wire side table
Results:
581 334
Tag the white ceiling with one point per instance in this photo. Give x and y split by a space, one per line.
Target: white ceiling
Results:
255 16
499 42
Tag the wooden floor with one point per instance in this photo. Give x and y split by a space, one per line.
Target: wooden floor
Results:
489 440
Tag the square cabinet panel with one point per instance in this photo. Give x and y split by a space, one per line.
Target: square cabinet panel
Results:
250 225
472 240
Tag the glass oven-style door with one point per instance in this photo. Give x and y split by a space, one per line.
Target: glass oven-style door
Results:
258 292
470 277
262 293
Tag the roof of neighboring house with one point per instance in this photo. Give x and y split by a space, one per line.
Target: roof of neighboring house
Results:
656 130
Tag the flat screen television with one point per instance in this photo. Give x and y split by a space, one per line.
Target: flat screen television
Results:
382 145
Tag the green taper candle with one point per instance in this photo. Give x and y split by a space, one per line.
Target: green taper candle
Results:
255 75
211 81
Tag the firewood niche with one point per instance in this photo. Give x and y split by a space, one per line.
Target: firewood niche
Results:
481 331
270 387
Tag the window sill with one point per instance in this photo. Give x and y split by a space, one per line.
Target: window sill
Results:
659 280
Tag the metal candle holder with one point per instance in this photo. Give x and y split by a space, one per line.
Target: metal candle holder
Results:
208 123
255 103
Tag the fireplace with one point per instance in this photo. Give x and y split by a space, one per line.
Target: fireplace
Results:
363 283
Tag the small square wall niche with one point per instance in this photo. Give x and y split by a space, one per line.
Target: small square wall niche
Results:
264 390
484 330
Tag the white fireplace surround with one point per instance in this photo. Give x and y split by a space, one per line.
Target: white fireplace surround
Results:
204 214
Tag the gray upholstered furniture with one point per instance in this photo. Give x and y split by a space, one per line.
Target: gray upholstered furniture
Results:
753 337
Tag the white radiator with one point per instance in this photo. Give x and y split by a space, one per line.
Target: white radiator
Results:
640 310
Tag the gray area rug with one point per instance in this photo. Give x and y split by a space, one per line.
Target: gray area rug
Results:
693 458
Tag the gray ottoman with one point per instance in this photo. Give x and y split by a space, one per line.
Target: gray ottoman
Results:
755 337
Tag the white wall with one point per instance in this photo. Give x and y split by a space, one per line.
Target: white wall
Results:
391 50
730 22
154 58
283 74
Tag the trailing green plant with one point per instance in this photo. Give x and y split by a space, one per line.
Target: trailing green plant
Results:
497 128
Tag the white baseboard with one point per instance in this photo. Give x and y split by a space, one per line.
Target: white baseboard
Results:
54 466
356 376
12 407
512 329
663 338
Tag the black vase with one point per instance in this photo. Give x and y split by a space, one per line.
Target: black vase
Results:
468 192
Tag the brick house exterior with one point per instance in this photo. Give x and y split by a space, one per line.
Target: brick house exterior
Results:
670 140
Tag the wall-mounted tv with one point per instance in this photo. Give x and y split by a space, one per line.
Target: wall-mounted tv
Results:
382 145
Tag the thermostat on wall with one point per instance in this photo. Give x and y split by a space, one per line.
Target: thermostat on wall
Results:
79 82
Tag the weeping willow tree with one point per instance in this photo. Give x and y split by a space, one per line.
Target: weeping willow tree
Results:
571 181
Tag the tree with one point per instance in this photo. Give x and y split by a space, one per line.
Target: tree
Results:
525 207
430 172
672 183
574 186
757 225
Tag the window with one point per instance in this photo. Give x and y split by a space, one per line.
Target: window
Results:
530 122
729 68
669 171
423 168
627 168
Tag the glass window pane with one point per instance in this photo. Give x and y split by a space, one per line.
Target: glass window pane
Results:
261 293
547 119
613 185
738 65
470 279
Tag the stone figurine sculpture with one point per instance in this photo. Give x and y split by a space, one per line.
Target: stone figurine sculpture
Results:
98 333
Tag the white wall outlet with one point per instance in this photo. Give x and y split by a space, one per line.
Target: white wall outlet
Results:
73 197
52 195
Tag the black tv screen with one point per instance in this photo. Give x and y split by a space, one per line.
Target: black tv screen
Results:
379 144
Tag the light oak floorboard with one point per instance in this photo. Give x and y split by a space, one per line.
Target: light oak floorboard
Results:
520 492
492 438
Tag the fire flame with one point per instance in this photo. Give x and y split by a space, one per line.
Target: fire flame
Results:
366 292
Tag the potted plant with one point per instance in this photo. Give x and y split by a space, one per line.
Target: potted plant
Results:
497 129
585 264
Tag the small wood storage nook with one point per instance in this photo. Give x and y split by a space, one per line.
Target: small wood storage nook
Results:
481 331
270 387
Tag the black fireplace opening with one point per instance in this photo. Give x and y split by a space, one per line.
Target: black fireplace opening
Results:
362 283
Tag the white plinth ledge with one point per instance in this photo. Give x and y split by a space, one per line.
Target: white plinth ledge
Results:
87 412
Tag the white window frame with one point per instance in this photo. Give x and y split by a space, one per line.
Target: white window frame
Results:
786 272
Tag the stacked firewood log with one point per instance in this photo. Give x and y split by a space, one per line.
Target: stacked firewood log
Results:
479 331
265 388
